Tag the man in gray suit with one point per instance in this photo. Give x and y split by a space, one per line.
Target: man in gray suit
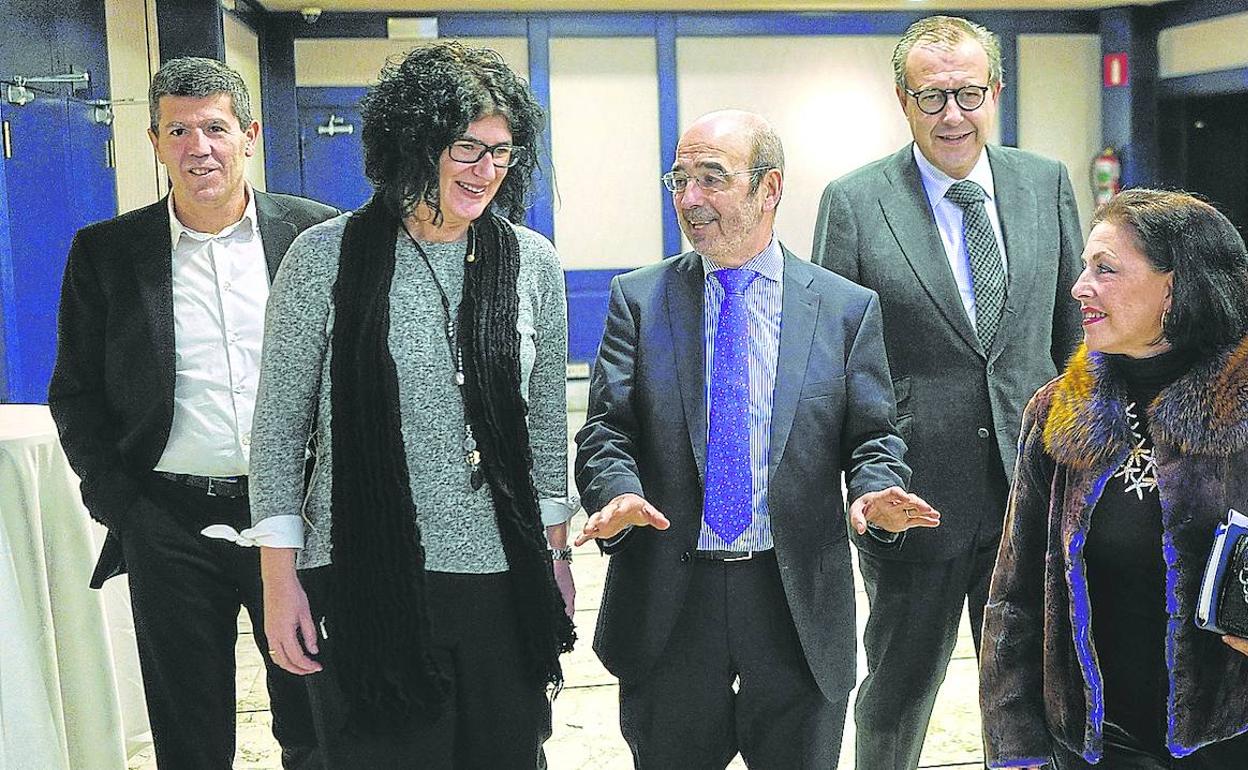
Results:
734 385
973 251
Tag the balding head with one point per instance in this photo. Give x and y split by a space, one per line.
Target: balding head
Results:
765 150
735 164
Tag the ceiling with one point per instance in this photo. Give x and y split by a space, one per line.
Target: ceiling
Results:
538 6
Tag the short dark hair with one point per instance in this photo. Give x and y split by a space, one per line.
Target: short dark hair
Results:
425 101
1185 236
198 77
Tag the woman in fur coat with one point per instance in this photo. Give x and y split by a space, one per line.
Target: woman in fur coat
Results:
1128 462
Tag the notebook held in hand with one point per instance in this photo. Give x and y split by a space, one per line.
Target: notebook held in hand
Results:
1223 604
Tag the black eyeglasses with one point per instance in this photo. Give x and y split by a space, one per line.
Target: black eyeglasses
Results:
710 181
502 155
932 101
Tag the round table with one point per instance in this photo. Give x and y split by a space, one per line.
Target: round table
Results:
70 692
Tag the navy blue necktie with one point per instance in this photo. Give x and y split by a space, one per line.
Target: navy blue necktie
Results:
728 503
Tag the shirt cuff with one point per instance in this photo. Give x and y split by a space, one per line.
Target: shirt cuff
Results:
557 510
271 532
611 542
882 535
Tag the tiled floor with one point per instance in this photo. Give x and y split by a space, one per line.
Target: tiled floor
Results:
586 735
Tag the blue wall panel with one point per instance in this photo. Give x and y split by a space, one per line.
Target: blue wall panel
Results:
281 110
332 167
669 123
1129 113
589 292
541 215
58 179
10 343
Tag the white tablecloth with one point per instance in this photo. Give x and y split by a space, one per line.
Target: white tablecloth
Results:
70 692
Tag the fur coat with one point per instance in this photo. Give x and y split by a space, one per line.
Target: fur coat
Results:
1040 681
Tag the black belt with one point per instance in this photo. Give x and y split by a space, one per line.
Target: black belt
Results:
730 556
213 486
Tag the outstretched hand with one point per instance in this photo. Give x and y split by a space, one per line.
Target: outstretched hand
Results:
1236 643
892 509
626 510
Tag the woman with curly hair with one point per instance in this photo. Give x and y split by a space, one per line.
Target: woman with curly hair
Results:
415 351
1129 460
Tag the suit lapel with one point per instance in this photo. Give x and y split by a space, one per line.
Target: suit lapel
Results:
799 311
1017 212
684 315
153 274
275 232
909 217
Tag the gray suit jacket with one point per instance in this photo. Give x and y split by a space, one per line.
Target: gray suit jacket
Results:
959 406
646 433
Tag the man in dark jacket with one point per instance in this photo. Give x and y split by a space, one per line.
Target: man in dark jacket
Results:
736 385
161 318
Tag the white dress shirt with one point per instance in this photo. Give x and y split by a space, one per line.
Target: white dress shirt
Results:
948 214
220 287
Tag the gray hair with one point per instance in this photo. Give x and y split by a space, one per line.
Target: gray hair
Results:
198 77
766 152
946 32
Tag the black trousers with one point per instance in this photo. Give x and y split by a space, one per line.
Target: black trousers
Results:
733 678
496 719
1124 752
916 608
186 591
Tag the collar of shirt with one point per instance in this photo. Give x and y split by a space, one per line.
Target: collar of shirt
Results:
769 263
936 183
177 229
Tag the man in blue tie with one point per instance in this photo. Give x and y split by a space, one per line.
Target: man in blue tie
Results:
735 384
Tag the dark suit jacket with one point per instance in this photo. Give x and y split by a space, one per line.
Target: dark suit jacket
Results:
111 392
959 407
646 433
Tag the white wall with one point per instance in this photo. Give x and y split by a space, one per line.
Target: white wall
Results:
1059 104
831 100
131 60
242 52
356 61
605 131
1203 46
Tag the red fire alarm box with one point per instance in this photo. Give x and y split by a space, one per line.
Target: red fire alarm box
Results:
1115 70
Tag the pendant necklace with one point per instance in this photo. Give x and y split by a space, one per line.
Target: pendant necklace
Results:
1139 471
472 455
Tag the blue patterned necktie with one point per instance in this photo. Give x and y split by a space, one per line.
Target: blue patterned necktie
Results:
987 270
728 504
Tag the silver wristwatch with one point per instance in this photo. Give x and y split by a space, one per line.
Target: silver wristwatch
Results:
560 554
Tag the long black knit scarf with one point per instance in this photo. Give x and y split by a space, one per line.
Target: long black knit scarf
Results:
378 622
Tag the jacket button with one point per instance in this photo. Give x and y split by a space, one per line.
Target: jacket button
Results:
990 369
983 432
685 557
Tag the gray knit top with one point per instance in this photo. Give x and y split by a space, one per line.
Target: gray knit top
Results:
457 524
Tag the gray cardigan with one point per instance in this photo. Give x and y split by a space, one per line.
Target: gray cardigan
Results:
457 524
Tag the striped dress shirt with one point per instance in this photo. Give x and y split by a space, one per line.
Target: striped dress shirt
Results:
762 300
